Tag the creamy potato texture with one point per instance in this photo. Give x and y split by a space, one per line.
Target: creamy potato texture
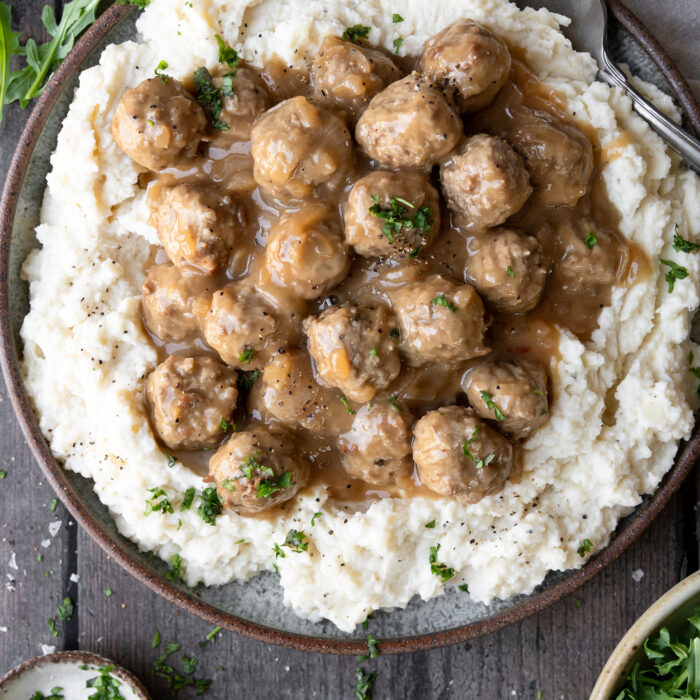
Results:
623 400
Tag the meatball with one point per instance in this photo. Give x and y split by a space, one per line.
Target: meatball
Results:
458 455
197 224
409 124
439 320
306 251
469 62
297 147
258 468
248 100
559 158
350 75
377 448
240 325
514 394
158 124
289 393
371 234
168 295
187 398
585 257
354 349
508 269
485 181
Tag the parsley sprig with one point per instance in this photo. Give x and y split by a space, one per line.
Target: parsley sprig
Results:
357 31
211 97
442 570
211 505
396 219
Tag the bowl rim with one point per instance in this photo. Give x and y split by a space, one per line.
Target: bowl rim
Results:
75 656
647 624
686 456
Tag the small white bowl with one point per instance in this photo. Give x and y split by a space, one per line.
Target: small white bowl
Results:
672 610
70 671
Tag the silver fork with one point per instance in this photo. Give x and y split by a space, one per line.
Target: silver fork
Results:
588 32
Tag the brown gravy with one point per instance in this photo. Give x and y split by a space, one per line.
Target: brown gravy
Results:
228 163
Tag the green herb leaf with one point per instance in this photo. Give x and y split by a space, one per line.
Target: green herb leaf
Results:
430 525
509 271
211 505
372 649
487 398
141 4
188 498
108 592
297 541
373 352
591 239
227 55
675 273
171 460
396 18
315 517
268 487
65 610
680 245
442 301
52 627
363 684
357 31
159 501
9 46
394 401
585 547
160 71
53 505
209 96
463 587
348 408
397 44
3 473
247 379
396 220
223 424
105 685
176 571
442 570
211 637
246 356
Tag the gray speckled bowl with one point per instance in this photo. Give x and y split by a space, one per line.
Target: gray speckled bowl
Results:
257 610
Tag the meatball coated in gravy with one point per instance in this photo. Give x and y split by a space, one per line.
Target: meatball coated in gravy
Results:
359 250
406 193
353 349
258 468
439 321
350 75
196 224
158 124
485 181
377 449
298 146
306 251
511 394
188 399
240 325
508 270
168 297
408 125
469 62
458 455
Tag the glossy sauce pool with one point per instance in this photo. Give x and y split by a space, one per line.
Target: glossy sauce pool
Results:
228 163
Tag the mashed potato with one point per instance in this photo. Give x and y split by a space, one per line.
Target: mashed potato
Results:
623 400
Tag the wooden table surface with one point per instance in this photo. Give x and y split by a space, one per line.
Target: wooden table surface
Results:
558 652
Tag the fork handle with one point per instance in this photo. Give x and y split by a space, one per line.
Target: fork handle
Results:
677 138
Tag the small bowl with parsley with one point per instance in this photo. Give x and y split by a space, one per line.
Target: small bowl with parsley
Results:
659 657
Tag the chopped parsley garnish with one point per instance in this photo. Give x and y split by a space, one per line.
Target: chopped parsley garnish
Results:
591 239
479 463
394 401
372 649
363 684
357 31
585 547
211 505
675 273
188 498
315 517
211 637
176 571
247 379
140 4
373 352
297 541
171 460
223 424
246 356
397 44
159 71
442 570
228 484
491 405
396 18
442 301
3 473
65 610
251 465
509 272
680 245
415 252
106 685
159 501
279 554
53 505
56 694
671 667
348 408
209 96
537 392
268 487
52 627
464 587
365 624
430 525
156 640
178 681
227 55
395 217
108 592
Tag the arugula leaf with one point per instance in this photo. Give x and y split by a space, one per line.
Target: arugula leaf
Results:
9 46
141 4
